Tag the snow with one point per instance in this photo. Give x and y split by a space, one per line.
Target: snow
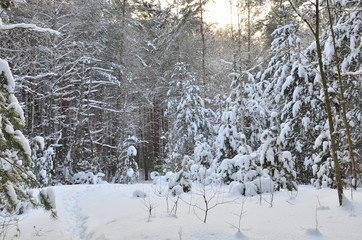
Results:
14 106
40 140
131 151
328 50
49 195
305 122
113 212
139 194
28 26
4 67
318 142
287 83
10 191
296 108
23 141
130 172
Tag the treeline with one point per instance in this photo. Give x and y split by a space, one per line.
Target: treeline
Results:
131 85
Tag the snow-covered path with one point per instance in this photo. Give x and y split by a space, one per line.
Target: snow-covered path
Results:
75 221
111 212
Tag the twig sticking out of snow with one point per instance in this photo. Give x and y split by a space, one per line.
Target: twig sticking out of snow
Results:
240 215
210 201
149 206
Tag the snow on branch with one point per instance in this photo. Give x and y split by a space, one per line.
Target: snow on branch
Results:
28 26
359 72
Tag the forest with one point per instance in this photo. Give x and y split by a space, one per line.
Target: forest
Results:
127 90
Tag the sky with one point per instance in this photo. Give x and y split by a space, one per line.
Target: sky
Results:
217 11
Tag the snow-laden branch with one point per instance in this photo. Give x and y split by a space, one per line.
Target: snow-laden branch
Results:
357 73
28 26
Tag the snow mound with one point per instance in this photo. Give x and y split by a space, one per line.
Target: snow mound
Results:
139 194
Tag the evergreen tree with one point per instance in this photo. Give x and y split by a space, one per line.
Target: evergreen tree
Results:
42 161
275 158
323 170
317 54
229 136
189 118
15 153
291 90
231 128
203 152
184 177
341 52
127 169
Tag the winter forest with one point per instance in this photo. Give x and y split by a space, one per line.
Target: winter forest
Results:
125 91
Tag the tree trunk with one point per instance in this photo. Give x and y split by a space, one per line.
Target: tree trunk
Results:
327 101
343 102
249 33
203 47
328 109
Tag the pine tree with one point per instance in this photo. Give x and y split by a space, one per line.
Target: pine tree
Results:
231 122
184 177
15 153
189 118
127 168
323 170
275 158
290 90
42 161
341 51
229 135
203 152
345 28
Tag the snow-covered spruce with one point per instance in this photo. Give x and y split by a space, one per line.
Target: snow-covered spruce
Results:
42 161
187 113
245 176
230 136
127 169
87 178
291 91
15 154
275 158
347 29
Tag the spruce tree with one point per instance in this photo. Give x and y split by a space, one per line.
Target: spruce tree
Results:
188 116
15 153
42 161
127 168
291 91
275 158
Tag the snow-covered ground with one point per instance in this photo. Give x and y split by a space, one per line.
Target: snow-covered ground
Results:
114 212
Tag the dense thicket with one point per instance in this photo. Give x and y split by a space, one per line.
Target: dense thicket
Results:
157 78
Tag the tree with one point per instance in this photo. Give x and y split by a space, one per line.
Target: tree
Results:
290 88
315 29
340 83
275 158
229 135
42 161
127 168
188 116
15 153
